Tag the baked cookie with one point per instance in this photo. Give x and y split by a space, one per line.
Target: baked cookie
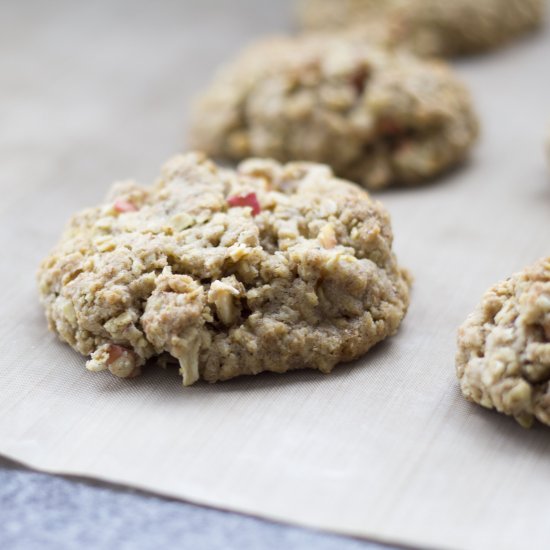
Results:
377 118
503 359
268 268
427 27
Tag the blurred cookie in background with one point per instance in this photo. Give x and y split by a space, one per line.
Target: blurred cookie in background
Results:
376 117
427 27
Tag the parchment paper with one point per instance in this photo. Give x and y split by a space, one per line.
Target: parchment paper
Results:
385 448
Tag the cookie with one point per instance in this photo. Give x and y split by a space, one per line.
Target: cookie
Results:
267 268
503 359
427 27
377 118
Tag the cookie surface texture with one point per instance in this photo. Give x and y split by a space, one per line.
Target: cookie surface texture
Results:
268 268
376 117
427 27
503 359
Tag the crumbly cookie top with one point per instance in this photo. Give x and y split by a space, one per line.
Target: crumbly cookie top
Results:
269 267
503 360
376 117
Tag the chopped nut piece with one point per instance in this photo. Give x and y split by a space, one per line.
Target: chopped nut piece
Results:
69 311
222 294
182 221
327 236
225 308
121 361
187 352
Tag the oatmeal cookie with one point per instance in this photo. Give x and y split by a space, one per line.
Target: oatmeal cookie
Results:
376 117
267 268
503 359
427 27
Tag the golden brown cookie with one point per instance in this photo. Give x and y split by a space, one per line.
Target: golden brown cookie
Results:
268 268
377 118
427 27
503 359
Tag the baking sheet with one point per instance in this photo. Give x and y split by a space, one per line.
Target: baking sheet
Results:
385 448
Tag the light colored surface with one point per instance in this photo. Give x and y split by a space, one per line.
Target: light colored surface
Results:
385 448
